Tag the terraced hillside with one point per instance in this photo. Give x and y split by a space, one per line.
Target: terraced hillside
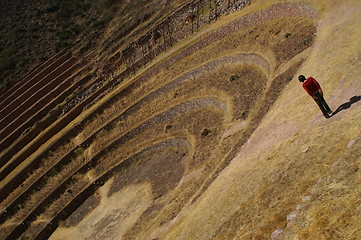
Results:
197 129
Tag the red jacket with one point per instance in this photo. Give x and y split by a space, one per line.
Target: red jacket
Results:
311 86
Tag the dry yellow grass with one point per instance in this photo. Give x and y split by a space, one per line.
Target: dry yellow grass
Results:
294 159
263 196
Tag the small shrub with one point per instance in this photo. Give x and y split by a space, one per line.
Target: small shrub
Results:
17 33
168 127
233 78
7 60
205 132
64 14
100 24
52 7
287 35
61 45
85 48
76 29
108 3
65 35
7 63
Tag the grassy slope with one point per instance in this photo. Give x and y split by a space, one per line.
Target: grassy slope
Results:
252 200
33 31
299 147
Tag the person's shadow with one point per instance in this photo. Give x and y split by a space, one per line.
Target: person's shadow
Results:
347 105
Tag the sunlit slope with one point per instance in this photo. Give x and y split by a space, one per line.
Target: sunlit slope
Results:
296 156
213 139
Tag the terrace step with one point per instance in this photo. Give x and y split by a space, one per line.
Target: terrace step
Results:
7 112
14 131
58 126
30 75
21 87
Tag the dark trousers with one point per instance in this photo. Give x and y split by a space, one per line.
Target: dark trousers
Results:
322 104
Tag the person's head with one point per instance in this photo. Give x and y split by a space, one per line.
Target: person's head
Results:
301 78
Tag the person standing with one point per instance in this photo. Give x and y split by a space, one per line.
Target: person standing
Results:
313 88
